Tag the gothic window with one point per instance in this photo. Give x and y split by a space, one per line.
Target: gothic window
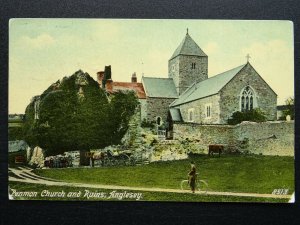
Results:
208 110
247 99
193 65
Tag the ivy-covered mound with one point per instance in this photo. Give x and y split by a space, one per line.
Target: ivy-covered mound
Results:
75 114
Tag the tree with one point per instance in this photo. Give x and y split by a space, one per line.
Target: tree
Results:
75 114
122 107
289 102
255 115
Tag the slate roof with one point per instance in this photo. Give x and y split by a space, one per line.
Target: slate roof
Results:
188 47
207 87
175 114
159 87
282 107
137 87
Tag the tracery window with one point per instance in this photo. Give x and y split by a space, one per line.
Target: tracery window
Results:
208 110
247 99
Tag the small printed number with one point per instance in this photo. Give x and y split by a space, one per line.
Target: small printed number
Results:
280 191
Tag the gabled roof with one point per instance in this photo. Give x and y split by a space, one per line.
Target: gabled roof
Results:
159 87
137 87
188 47
282 107
175 114
207 87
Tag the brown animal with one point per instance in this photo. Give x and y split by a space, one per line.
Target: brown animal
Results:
215 149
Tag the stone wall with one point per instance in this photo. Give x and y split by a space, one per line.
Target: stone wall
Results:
204 135
269 138
37 156
199 108
168 151
180 69
158 107
266 99
173 68
143 108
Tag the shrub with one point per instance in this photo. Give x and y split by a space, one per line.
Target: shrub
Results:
255 115
146 123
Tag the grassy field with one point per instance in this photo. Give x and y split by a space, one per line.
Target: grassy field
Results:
146 196
232 173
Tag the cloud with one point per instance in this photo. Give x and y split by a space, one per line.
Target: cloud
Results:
38 42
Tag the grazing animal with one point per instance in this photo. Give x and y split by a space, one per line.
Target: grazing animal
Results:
215 149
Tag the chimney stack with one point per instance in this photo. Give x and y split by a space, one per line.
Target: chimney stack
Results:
100 77
133 78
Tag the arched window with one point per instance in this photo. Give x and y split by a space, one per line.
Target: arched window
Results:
191 115
208 110
158 121
247 99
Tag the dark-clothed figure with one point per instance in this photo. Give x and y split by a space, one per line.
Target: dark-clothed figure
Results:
192 177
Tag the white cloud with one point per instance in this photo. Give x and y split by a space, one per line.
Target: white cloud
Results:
39 42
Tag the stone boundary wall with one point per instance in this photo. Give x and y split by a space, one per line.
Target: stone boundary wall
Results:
268 138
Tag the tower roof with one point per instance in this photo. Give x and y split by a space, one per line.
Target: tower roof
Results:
188 47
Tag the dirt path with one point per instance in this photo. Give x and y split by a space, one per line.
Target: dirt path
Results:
25 175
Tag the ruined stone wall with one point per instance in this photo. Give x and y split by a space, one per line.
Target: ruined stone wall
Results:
269 138
143 108
199 108
158 107
37 155
266 99
204 135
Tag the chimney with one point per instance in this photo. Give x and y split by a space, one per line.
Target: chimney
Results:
133 78
100 77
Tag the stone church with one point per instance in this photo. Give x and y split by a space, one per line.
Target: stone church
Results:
188 95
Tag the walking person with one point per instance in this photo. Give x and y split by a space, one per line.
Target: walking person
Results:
192 177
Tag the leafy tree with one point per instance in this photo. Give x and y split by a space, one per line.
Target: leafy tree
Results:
290 108
15 133
75 114
255 115
122 107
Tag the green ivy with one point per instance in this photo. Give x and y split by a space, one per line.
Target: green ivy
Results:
67 122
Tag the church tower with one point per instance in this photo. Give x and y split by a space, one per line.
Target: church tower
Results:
188 64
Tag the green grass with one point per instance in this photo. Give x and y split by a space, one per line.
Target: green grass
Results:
146 196
232 173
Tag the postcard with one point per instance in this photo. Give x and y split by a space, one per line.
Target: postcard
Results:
151 110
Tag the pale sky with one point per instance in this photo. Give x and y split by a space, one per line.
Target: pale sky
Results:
42 51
